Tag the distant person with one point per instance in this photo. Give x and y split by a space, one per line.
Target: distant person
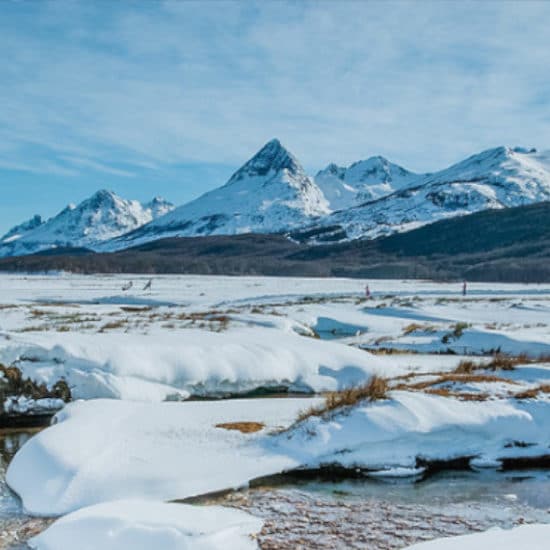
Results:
148 285
367 292
464 288
128 286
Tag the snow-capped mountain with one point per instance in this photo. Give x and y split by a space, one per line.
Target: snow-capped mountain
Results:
158 207
99 218
363 181
20 230
271 193
496 178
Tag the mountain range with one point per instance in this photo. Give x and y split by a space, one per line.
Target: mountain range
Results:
272 194
98 219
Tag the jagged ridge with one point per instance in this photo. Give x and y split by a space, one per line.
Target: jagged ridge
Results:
101 217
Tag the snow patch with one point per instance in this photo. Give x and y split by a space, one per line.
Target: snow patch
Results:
143 525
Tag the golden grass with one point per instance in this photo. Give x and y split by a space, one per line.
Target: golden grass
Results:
533 392
456 333
462 396
416 327
375 389
243 427
454 377
15 384
112 325
500 361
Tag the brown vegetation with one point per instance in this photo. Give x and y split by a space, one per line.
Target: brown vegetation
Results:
500 361
533 392
13 384
112 325
456 333
243 427
462 396
452 378
416 327
375 389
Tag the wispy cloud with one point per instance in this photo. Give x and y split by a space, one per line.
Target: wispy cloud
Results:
98 166
165 83
37 167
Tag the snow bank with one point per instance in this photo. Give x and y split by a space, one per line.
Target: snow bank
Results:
105 450
25 405
167 364
108 449
141 525
393 433
533 537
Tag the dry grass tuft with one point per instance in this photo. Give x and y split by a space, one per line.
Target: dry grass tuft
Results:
13 383
500 361
454 377
243 427
389 351
113 325
507 362
468 367
375 389
533 392
413 327
462 396
456 333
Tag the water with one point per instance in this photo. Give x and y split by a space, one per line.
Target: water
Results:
527 488
388 515
15 525
10 442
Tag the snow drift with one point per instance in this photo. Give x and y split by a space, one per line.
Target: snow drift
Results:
142 525
104 450
175 364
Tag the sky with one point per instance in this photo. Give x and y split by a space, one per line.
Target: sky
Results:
168 98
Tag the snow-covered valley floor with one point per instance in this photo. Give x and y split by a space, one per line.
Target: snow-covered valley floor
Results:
466 382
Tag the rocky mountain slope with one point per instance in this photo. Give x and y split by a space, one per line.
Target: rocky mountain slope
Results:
271 193
363 181
497 178
21 229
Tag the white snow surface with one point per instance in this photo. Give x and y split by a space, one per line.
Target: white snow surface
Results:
54 327
24 405
104 450
175 364
99 218
144 525
525 537
393 433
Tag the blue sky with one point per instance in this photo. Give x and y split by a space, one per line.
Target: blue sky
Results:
168 98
